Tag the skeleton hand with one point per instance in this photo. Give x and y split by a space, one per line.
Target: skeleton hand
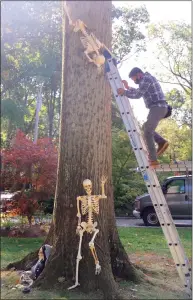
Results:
78 229
103 179
97 269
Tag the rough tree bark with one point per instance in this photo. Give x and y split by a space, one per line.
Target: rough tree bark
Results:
85 152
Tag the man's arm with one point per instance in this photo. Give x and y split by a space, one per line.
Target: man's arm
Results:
133 93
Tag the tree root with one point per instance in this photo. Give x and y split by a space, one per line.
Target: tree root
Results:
29 260
26 263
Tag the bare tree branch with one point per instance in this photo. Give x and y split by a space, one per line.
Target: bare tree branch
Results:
168 82
177 77
180 75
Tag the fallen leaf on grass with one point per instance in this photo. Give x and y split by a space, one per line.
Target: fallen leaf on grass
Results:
61 279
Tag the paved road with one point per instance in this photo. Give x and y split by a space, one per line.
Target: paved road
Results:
130 222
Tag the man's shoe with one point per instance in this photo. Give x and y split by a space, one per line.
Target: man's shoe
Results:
154 163
162 147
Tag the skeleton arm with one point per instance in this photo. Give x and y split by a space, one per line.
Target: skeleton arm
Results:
103 180
78 210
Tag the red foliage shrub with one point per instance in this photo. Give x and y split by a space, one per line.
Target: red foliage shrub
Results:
26 162
30 165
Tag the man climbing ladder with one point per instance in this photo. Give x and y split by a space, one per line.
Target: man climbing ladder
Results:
150 90
149 176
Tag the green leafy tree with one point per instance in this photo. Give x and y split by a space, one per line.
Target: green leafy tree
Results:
127 183
127 33
173 50
181 106
179 138
31 55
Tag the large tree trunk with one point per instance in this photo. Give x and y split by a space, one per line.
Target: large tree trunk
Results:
85 152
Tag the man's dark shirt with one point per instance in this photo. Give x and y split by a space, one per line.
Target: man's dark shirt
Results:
150 90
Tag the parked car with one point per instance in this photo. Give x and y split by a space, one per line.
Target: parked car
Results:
178 193
5 198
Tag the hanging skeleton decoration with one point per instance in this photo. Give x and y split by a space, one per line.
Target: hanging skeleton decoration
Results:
89 206
92 45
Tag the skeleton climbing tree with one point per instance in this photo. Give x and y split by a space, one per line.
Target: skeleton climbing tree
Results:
85 153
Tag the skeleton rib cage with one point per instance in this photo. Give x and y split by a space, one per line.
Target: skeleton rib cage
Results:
85 207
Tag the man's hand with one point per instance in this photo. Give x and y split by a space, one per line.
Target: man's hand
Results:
125 83
120 91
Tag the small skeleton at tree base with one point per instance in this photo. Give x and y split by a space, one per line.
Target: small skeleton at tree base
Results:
89 206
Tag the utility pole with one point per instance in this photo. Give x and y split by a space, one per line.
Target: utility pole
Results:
38 108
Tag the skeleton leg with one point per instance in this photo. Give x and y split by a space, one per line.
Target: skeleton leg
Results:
93 251
68 14
90 59
79 257
93 61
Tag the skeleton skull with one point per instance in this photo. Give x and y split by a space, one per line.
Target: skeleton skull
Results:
79 25
87 184
99 60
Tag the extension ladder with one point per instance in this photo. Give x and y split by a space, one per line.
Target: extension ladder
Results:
149 175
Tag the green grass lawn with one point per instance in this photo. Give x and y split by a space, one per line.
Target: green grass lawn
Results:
152 240
134 240
13 249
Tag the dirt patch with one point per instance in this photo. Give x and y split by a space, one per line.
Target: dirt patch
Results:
150 260
25 231
159 271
